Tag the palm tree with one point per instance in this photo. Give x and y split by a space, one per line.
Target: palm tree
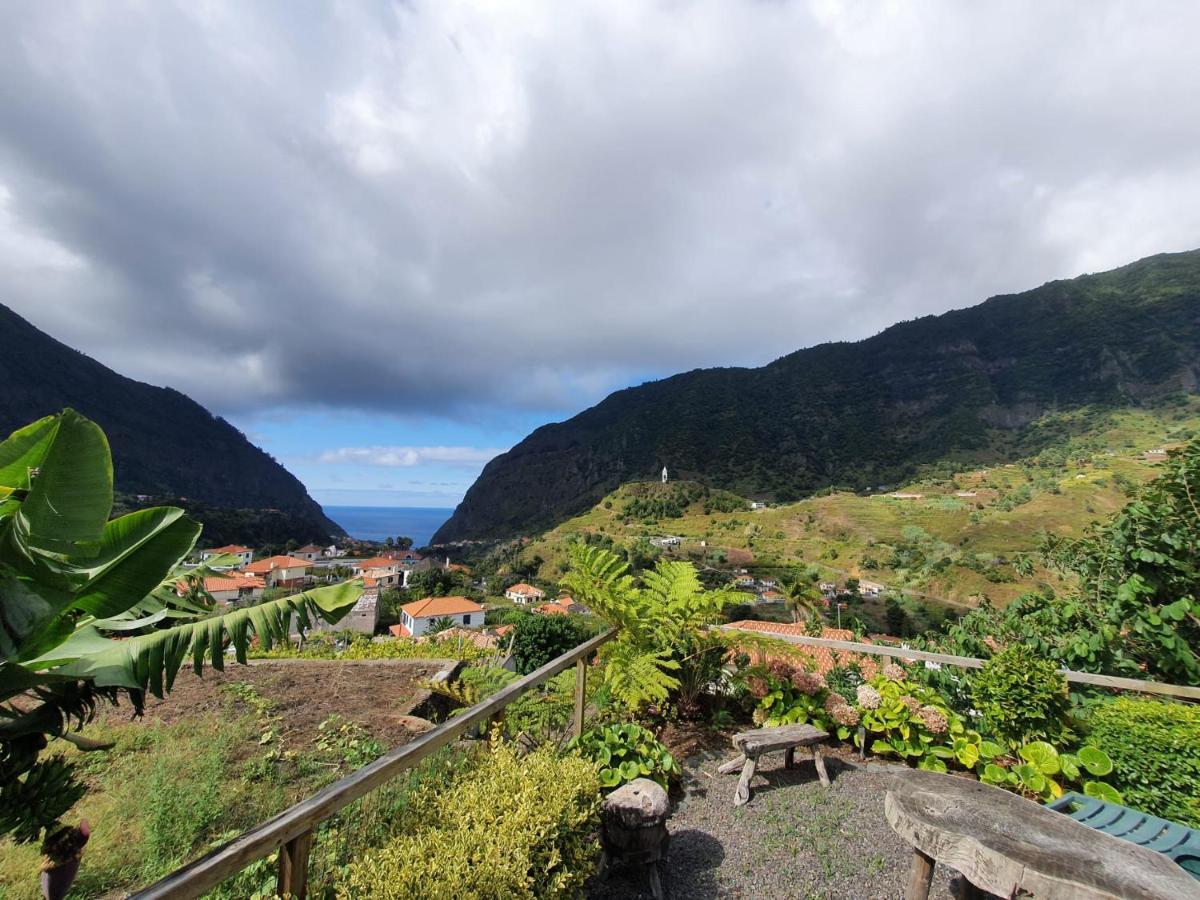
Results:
802 594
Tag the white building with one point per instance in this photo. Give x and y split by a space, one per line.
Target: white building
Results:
244 554
524 593
418 616
281 571
311 552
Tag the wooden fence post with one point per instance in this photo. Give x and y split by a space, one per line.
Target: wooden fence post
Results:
580 694
293 867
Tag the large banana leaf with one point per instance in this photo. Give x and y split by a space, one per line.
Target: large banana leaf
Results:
151 661
134 552
70 499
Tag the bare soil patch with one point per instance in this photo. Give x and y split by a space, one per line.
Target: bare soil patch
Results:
373 693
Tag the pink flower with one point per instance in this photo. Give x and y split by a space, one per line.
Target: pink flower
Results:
758 716
811 683
894 672
780 670
933 719
845 714
757 687
912 704
868 697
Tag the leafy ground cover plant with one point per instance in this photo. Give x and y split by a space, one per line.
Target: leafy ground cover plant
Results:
1039 770
1021 697
625 752
521 827
1155 750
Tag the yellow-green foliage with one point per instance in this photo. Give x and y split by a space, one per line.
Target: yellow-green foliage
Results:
362 647
514 827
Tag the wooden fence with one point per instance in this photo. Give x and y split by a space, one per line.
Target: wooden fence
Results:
291 832
1180 691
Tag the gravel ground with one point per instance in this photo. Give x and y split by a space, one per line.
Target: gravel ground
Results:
793 839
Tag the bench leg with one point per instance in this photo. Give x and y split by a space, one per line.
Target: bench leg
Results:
732 766
920 877
742 795
789 758
656 888
819 762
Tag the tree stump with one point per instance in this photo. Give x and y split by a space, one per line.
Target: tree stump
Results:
633 829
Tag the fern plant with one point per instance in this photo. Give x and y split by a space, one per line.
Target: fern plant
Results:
662 640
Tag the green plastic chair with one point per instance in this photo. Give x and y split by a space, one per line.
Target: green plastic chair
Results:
1177 842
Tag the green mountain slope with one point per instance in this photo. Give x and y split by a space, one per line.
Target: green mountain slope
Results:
164 444
954 537
969 385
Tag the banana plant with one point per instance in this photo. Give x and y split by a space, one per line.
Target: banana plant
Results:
70 578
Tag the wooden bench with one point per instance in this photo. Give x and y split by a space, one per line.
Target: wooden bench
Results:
1006 845
753 744
1174 841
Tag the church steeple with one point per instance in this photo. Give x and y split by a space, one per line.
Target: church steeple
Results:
664 475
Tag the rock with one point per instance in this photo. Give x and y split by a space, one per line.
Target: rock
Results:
415 724
641 803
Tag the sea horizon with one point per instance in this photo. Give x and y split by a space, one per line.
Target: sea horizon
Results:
377 523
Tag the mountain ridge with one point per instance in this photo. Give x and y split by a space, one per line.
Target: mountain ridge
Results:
165 445
862 413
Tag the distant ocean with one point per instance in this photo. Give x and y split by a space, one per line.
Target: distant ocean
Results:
376 523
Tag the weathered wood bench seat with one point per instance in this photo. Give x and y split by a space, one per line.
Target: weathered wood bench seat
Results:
753 744
1012 847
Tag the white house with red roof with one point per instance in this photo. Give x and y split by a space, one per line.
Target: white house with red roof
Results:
310 552
281 571
524 593
231 588
385 570
244 554
417 617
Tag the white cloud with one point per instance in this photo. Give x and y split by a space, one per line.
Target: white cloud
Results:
442 206
406 457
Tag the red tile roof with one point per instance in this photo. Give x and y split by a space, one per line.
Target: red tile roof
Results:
432 607
217 583
523 588
824 658
229 548
375 562
551 609
277 562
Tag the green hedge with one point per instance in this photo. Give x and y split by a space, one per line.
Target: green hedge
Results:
512 827
1155 749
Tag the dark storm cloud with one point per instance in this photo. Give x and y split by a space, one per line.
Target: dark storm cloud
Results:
447 206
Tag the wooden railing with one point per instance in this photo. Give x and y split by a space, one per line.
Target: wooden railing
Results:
1180 691
291 832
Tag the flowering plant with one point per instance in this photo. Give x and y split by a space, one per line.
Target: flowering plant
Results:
914 722
787 694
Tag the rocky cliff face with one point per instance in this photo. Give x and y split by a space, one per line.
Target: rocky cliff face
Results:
967 382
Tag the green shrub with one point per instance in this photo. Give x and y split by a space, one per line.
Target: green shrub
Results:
512 827
625 752
1155 749
539 639
1022 697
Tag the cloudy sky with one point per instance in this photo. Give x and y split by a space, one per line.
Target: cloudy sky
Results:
388 239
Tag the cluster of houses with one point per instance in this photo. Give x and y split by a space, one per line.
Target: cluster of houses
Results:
240 579
765 588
